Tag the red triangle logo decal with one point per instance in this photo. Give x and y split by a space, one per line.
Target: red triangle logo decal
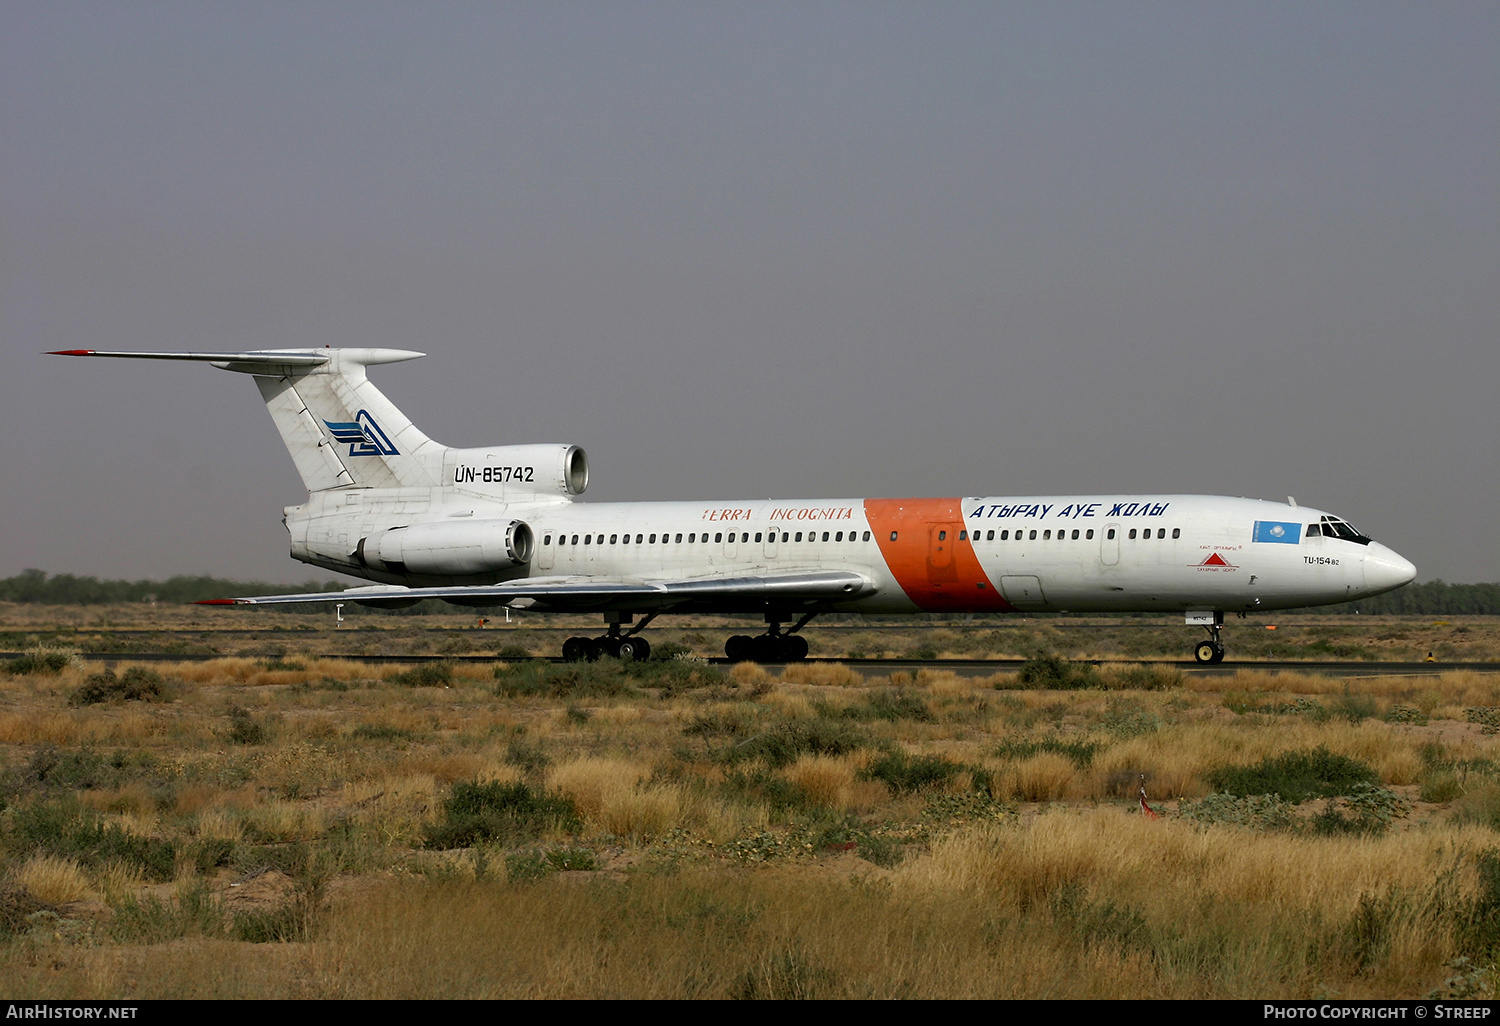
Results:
1214 560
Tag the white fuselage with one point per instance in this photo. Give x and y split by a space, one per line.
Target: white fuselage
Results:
1079 553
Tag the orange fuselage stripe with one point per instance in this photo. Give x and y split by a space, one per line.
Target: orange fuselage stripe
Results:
937 569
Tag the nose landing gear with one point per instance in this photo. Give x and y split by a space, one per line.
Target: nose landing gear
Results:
1212 650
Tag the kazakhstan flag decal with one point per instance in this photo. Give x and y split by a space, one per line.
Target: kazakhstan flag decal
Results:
1277 531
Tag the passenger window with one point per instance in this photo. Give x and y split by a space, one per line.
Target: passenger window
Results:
867 536
825 535
893 536
653 540
1161 532
1089 533
693 537
839 536
1005 536
547 540
611 539
1176 532
1111 532
1047 535
717 537
942 536
963 535
575 539
1132 534
1075 534
1033 535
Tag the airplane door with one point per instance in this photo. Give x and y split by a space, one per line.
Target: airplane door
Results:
771 538
941 538
731 546
1109 545
544 552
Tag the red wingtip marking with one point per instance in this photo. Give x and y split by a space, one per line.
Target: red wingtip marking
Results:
214 602
71 352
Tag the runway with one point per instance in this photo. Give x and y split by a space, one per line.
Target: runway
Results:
885 667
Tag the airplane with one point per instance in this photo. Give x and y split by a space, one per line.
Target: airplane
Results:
501 526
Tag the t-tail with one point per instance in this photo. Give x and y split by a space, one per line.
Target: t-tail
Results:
342 432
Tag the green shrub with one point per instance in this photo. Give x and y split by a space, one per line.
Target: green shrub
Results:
1367 809
137 684
245 729
1055 673
782 745
426 675
906 774
893 705
1259 811
1295 776
46 662
503 813
67 829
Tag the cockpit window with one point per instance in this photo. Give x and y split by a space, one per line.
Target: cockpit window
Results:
1333 527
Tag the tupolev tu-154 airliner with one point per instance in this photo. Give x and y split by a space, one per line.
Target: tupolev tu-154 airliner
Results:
501 526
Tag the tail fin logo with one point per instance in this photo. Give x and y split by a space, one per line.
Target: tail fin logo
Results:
362 435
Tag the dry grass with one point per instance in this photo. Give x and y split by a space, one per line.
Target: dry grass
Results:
728 877
57 881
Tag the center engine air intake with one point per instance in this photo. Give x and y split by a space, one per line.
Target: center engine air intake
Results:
457 549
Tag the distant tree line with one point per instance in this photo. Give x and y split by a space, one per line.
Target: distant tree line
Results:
1435 598
69 590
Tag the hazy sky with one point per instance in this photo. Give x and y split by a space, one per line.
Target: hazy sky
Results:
751 250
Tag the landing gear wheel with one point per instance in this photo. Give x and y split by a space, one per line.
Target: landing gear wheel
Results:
642 649
579 650
794 648
630 650
740 648
608 646
1208 652
1218 653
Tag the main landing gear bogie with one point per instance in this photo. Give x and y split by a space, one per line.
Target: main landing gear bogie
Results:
774 646
589 650
766 648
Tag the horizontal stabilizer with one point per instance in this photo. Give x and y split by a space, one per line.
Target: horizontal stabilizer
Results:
263 361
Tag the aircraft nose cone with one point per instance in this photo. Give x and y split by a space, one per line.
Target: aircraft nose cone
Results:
1386 569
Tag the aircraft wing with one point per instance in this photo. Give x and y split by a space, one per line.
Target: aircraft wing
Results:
589 594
